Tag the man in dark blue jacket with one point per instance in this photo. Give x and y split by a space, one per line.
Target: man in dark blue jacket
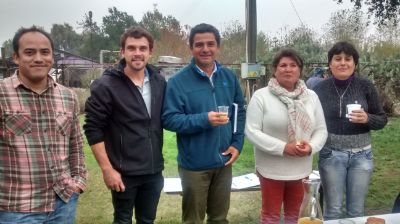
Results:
208 143
123 127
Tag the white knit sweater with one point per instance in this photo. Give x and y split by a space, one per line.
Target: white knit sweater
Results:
266 129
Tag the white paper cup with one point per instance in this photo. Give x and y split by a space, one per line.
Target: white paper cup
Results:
351 107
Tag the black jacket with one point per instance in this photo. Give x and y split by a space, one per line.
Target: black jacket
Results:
116 114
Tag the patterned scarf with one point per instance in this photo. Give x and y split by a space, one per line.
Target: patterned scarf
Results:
299 125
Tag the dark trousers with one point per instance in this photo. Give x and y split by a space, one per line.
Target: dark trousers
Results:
142 193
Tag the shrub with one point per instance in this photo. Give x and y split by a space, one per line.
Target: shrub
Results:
82 94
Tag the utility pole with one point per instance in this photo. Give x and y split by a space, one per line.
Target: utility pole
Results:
251 48
251 31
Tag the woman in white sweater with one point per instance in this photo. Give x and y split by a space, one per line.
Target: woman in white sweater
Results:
286 125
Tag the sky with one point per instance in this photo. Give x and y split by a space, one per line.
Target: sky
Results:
272 15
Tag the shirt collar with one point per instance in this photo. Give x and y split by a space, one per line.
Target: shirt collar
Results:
16 82
146 75
204 73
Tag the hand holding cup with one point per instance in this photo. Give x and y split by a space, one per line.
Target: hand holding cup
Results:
352 107
223 112
221 117
356 114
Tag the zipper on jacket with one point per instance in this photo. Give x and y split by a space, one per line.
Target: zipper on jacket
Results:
151 149
219 128
121 150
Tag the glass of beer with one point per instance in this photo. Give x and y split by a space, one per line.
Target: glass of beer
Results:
223 112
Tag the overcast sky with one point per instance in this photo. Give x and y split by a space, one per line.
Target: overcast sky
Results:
272 15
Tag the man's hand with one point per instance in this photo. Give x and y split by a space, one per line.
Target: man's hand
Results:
234 155
77 190
113 180
217 119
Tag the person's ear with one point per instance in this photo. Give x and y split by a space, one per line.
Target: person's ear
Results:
15 58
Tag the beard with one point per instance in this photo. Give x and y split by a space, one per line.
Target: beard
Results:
137 64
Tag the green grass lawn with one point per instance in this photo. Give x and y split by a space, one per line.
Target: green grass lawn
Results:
95 204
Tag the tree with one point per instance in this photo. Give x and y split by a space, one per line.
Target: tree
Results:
345 25
65 37
156 23
115 24
173 44
303 39
170 38
385 44
389 33
93 39
8 48
382 10
263 45
233 48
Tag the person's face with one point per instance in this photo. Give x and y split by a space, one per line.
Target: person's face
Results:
34 58
136 53
205 49
287 73
342 66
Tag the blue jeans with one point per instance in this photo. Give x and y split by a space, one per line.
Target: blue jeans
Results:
142 193
345 172
63 213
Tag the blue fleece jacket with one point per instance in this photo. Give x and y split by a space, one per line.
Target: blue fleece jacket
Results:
190 95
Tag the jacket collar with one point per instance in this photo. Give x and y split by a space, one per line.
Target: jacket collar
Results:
218 67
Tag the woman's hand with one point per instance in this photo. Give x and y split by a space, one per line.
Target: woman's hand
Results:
303 148
359 116
290 149
297 149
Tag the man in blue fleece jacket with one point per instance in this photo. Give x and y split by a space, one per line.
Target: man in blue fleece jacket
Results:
208 145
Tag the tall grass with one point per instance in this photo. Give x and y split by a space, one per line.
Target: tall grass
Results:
95 204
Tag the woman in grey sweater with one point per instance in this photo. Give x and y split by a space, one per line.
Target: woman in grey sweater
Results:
346 161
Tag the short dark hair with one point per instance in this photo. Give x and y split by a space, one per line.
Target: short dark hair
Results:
290 53
343 47
204 28
21 31
137 32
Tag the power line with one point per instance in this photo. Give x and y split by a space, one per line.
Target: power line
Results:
297 13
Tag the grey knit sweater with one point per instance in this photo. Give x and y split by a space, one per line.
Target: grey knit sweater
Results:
342 134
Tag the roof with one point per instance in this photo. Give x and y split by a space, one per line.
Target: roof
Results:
62 57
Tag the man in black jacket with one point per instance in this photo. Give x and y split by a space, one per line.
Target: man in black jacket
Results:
123 127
